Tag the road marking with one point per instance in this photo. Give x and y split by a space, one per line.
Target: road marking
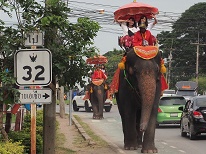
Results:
111 120
182 151
95 121
173 147
164 143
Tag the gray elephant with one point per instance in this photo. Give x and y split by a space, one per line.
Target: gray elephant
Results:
137 98
98 91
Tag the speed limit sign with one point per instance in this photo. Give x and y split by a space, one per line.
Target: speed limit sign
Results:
33 67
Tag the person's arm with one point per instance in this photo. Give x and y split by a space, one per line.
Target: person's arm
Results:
151 25
155 19
121 21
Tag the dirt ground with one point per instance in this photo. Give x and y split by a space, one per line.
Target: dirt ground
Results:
75 142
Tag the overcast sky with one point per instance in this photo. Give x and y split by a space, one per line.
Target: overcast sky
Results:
107 38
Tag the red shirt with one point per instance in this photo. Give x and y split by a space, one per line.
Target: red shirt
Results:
98 74
138 38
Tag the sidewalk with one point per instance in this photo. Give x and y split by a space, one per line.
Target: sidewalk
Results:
75 133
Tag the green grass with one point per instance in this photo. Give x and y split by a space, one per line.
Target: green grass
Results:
60 139
98 140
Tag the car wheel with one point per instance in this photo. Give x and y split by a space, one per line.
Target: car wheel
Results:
192 133
183 134
87 108
157 125
107 108
75 108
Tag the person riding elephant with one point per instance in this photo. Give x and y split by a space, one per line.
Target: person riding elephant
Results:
137 86
97 92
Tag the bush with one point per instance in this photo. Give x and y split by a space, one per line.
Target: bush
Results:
25 138
24 135
11 148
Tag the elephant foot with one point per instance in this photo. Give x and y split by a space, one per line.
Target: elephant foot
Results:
139 145
97 117
101 118
130 148
149 150
94 117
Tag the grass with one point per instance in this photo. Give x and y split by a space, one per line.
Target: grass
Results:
60 139
99 141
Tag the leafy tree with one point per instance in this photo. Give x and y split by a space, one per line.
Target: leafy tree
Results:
179 41
69 43
114 58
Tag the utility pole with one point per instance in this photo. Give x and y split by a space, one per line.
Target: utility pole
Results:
197 57
169 66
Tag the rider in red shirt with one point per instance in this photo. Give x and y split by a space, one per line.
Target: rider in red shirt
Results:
142 37
98 74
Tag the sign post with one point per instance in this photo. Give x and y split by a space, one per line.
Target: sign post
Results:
33 67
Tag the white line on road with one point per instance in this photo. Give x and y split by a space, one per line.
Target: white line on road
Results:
182 151
173 147
111 120
95 121
164 143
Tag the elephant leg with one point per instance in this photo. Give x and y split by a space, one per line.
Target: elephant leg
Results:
149 135
101 107
139 133
129 127
95 111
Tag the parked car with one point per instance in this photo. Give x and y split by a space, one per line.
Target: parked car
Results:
168 92
168 112
78 103
193 119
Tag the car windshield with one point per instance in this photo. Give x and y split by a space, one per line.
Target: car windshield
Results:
167 101
201 102
186 93
169 92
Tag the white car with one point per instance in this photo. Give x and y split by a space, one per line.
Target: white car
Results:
78 103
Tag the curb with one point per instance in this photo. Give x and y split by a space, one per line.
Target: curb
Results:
82 132
86 137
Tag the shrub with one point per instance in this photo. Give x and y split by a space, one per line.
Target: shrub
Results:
11 148
24 135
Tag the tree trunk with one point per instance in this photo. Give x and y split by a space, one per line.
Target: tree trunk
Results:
8 122
3 132
49 122
19 120
61 102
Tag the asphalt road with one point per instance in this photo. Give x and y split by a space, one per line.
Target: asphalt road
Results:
167 140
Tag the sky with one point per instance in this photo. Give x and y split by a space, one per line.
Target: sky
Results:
107 37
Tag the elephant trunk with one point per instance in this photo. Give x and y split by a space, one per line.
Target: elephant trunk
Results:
147 87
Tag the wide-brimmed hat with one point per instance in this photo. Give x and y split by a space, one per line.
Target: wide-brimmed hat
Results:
142 25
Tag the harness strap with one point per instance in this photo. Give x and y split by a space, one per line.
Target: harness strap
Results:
125 77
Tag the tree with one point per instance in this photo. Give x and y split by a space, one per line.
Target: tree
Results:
69 43
114 58
178 42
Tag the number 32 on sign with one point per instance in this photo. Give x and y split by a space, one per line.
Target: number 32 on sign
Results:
33 67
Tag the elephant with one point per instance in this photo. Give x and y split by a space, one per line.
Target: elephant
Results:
98 91
137 99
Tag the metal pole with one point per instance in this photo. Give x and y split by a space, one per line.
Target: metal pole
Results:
197 59
70 107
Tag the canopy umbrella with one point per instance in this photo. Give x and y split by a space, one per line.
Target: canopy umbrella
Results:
97 60
135 10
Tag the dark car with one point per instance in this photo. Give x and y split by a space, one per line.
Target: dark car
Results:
168 112
193 119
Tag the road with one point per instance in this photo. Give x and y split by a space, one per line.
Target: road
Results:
167 140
